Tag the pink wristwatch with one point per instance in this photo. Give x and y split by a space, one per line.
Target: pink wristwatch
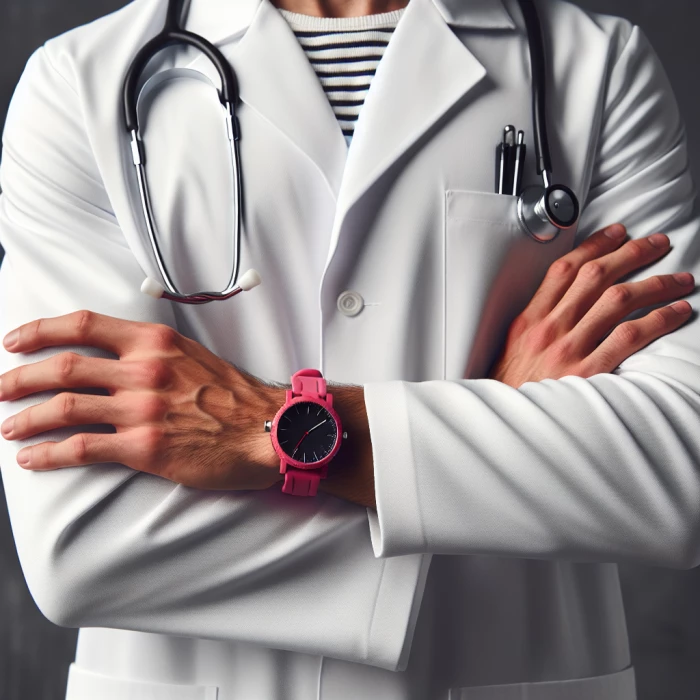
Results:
306 433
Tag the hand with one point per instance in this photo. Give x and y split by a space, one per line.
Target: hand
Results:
180 411
559 332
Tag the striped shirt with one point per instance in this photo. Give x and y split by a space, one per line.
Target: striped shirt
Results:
344 52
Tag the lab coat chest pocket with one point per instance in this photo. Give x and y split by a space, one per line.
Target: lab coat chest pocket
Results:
86 685
610 686
492 269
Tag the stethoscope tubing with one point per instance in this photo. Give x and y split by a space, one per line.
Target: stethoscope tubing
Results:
538 87
172 293
536 213
172 34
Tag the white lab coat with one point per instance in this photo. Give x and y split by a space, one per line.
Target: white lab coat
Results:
489 569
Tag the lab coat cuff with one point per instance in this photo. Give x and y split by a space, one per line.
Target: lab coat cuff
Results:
395 527
398 604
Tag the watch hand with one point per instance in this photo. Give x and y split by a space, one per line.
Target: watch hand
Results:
306 433
299 443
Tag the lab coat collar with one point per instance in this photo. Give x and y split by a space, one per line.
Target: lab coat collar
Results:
409 93
475 14
224 20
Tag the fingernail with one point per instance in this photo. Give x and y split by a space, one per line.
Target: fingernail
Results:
684 278
682 307
658 240
23 459
7 426
616 232
11 339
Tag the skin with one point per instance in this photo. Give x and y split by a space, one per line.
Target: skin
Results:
180 411
185 414
340 8
560 332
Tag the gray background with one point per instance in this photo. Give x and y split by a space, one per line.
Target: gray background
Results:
662 605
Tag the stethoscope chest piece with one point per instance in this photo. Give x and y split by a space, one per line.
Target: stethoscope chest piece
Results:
544 212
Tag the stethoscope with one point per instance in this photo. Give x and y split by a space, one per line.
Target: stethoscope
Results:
543 210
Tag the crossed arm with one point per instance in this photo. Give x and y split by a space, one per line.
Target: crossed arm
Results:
180 412
111 546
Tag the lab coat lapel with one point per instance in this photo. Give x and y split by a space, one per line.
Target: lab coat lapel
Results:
424 71
277 80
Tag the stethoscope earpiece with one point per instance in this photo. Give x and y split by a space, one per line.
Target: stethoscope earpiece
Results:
545 212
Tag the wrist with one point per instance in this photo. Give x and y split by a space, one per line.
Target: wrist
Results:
351 471
273 398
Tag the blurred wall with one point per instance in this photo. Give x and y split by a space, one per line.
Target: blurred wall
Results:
662 605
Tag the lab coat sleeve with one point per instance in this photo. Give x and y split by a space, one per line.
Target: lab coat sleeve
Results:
105 546
598 469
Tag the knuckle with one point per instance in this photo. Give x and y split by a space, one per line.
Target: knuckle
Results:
627 334
163 337
66 364
658 284
637 250
83 322
589 368
618 295
542 335
67 406
156 373
34 329
592 271
151 408
12 381
663 317
561 267
518 326
561 352
80 448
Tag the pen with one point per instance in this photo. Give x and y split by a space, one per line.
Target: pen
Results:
520 150
504 158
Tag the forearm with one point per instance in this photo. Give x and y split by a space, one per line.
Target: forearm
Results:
105 546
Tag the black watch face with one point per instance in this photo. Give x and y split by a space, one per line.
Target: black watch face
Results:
307 432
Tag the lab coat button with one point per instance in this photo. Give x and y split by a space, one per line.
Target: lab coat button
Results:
350 303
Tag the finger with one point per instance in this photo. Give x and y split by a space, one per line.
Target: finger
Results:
563 271
595 277
78 450
69 409
619 301
631 336
72 370
84 327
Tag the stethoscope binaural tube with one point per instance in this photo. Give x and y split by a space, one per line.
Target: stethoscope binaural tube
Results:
171 34
543 211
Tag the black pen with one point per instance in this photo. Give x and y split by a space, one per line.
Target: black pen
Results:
520 150
504 158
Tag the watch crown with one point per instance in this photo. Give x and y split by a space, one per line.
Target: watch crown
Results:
268 426
344 435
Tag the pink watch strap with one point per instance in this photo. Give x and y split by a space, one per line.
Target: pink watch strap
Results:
308 382
305 382
300 483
